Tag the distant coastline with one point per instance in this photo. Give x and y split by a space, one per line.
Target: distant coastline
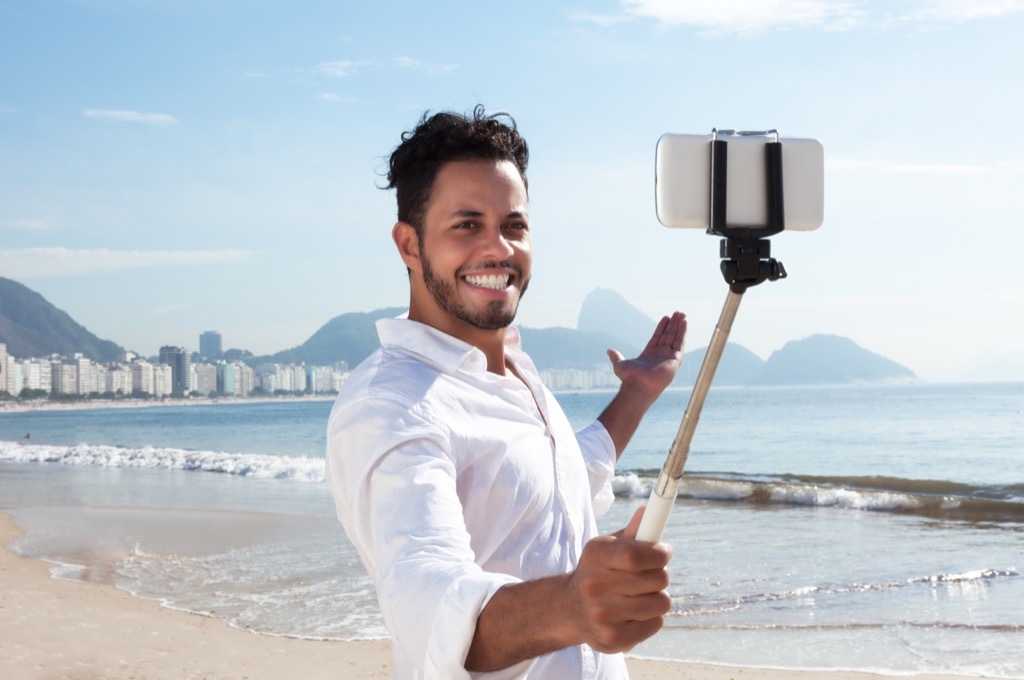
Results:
85 404
22 406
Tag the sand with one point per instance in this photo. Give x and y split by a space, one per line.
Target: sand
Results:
54 629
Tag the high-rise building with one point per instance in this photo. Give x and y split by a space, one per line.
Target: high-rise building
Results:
162 380
246 380
63 377
142 377
204 379
35 374
210 345
180 361
227 379
3 367
86 375
119 379
14 380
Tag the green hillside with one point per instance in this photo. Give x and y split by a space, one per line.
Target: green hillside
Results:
32 327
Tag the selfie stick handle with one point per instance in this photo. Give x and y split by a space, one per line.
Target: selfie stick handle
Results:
663 495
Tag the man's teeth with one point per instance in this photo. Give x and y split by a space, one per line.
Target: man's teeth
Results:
492 281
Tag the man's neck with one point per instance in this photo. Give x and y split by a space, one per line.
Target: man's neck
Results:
490 342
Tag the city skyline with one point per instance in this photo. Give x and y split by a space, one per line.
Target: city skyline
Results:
174 164
175 373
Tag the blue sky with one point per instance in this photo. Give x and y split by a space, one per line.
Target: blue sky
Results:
169 167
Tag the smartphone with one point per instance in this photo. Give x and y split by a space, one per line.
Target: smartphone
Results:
682 181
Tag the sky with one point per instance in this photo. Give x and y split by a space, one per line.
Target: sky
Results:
169 167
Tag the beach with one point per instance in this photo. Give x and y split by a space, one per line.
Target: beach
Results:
54 629
872 532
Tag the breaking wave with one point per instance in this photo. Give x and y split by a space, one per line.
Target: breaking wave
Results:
930 498
241 464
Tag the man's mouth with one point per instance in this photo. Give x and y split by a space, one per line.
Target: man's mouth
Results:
492 281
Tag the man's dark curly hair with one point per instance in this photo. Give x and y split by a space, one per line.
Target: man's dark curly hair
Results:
443 138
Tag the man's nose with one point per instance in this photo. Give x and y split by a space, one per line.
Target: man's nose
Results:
497 244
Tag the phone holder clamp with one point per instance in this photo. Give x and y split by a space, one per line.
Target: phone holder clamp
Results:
745 250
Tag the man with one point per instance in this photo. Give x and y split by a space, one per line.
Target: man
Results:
455 473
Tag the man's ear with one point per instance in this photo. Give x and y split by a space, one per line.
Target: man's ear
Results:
408 243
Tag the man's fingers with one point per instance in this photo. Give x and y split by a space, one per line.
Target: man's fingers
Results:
627 556
658 336
677 330
623 636
642 607
634 524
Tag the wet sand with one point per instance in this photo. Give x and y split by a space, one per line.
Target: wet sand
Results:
54 629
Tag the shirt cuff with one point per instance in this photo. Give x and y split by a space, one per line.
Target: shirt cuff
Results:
599 455
454 625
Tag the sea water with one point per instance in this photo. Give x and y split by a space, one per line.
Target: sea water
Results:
876 528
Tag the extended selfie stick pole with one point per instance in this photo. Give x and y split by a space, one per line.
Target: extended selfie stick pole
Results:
746 261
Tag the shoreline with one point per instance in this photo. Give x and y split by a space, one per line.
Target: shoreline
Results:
46 405
59 628
14 406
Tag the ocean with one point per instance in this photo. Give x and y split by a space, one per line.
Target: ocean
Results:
868 527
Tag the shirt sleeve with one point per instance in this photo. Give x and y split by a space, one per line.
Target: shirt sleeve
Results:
599 455
393 478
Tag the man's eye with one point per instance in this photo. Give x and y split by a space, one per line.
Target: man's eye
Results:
518 226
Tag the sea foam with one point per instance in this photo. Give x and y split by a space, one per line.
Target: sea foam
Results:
240 464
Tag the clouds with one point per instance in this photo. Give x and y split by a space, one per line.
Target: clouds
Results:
26 225
326 74
745 16
127 116
342 68
939 169
345 68
38 263
915 168
963 10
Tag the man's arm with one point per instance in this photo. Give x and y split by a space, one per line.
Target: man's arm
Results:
614 600
643 379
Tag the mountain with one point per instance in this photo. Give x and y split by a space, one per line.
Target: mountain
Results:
815 360
828 359
570 348
738 366
606 312
32 327
349 337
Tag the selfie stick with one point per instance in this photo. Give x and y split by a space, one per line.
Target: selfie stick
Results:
746 261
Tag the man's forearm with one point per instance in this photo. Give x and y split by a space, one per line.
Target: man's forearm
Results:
623 415
613 600
522 621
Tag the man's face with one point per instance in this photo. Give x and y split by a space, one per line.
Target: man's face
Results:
474 246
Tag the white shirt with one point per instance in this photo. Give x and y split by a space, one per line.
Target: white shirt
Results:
452 482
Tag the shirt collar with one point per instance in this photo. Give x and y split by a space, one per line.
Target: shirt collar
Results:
437 347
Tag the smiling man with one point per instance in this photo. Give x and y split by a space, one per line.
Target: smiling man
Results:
456 475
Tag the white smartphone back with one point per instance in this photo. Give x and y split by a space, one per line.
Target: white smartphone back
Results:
683 181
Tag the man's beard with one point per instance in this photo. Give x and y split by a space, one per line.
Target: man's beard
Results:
494 317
